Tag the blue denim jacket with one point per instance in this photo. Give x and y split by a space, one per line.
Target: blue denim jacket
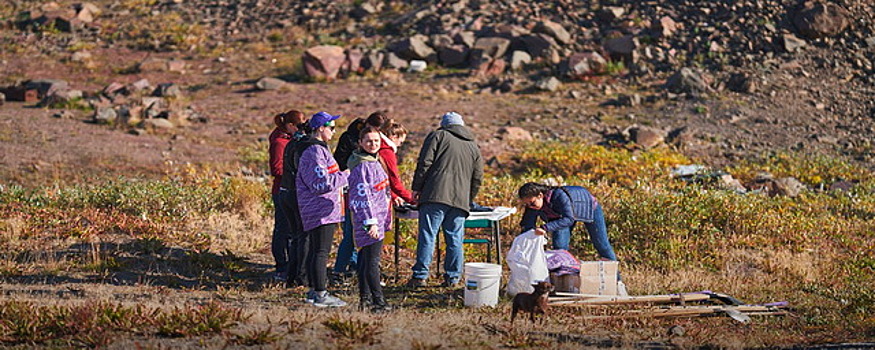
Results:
572 203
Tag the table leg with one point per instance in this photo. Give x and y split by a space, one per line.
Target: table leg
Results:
397 248
497 238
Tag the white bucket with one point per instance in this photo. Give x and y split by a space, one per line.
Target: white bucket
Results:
482 282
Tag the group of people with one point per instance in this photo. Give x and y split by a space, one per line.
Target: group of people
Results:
358 185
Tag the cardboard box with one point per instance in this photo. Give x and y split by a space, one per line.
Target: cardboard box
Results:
598 277
565 283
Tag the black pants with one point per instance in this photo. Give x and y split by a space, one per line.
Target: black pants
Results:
317 263
369 272
298 239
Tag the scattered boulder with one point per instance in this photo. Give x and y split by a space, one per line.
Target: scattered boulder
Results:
152 64
538 45
609 14
622 49
555 30
139 85
664 27
689 80
269 83
792 43
742 82
395 62
2 98
818 19
518 59
45 87
417 66
491 68
453 55
632 100
490 47
324 61
727 182
158 123
80 56
548 84
353 63
787 186
167 90
646 137
104 115
60 97
583 64
514 133
414 48
373 60
363 10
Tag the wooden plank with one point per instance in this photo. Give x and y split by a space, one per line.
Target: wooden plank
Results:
589 299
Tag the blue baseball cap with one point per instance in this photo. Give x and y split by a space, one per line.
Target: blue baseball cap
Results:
321 118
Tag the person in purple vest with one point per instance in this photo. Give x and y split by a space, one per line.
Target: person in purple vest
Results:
369 202
318 184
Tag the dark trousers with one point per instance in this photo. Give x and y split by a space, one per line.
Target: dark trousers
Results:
298 240
320 245
281 241
369 272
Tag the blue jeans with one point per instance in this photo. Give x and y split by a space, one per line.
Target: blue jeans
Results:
598 234
281 241
433 217
347 256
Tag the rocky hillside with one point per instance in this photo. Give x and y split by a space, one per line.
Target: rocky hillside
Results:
801 67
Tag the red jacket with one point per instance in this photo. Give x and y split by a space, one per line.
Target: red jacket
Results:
278 140
387 153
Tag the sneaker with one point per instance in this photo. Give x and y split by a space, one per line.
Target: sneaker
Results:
415 283
323 299
279 277
311 297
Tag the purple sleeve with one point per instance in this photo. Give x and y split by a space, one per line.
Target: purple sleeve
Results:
319 171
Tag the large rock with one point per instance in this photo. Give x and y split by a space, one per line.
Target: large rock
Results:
87 12
554 30
269 83
394 62
622 48
353 63
816 19
373 60
514 133
583 64
2 98
105 115
792 43
664 27
742 82
689 81
453 55
646 137
324 61
466 38
491 47
153 64
518 59
787 186
46 87
538 45
548 84
414 48
60 97
491 67
167 90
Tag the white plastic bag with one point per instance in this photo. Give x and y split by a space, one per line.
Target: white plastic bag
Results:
527 263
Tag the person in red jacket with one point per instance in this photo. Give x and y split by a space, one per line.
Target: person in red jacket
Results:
394 135
285 131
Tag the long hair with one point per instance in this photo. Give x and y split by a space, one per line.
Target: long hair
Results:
531 189
378 119
293 116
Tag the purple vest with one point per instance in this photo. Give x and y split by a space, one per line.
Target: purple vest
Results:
318 184
369 201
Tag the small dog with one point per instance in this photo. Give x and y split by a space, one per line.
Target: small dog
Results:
533 303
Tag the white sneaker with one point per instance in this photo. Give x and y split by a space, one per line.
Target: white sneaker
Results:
311 296
323 299
621 289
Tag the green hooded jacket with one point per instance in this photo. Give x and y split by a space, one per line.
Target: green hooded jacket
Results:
450 168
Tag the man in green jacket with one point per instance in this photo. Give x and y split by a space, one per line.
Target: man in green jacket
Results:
448 175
